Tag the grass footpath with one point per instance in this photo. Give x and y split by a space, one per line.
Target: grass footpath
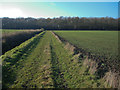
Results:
47 64
34 70
69 70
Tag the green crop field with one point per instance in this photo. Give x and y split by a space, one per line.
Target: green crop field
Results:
10 31
98 43
44 62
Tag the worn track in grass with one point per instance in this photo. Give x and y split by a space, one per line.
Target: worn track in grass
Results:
49 65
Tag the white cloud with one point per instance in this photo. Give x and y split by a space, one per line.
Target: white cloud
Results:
11 12
53 4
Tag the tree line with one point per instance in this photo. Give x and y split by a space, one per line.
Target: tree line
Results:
61 23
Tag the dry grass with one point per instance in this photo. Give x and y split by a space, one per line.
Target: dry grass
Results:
112 79
13 39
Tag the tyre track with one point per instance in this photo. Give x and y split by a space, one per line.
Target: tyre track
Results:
57 74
